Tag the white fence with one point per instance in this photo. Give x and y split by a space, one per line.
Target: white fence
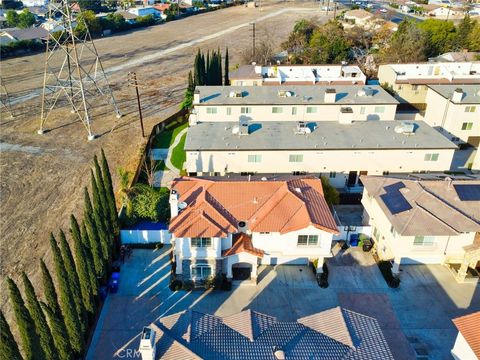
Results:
347 231
145 236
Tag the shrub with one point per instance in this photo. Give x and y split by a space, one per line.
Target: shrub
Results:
188 285
176 285
386 270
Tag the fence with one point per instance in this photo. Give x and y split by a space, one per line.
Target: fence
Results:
145 236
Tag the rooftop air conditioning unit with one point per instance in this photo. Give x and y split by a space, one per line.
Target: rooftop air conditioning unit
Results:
243 127
330 95
405 128
284 93
236 94
346 115
302 128
365 91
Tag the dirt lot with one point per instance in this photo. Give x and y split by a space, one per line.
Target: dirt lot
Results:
42 176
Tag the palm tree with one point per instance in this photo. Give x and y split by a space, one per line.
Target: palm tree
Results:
125 191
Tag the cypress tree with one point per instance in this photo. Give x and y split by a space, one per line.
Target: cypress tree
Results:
107 181
54 314
67 303
203 70
208 68
226 81
219 68
8 346
58 330
39 320
30 340
102 192
89 260
82 267
99 218
73 280
197 72
93 235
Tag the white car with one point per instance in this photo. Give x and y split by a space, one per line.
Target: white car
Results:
383 10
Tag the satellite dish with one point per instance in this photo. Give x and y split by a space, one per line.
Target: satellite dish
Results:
182 205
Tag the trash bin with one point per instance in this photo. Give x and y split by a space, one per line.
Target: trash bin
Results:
113 286
103 292
354 239
115 276
367 245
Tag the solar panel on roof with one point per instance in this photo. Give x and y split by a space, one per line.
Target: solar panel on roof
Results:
468 192
395 202
394 187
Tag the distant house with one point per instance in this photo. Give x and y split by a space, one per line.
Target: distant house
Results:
14 34
456 56
359 17
232 226
336 333
420 221
467 344
146 10
40 12
128 16
442 12
53 26
30 3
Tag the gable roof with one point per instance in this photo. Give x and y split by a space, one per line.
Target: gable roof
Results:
242 243
34 33
432 207
215 207
469 327
252 335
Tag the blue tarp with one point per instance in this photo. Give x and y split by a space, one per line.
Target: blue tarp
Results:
147 225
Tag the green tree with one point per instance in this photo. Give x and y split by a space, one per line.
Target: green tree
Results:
39 320
408 44
88 20
125 191
8 346
67 303
54 314
25 19
102 192
108 184
93 235
464 29
86 244
440 36
30 340
82 267
73 280
188 99
474 38
12 18
329 192
226 79
11 4
99 218
151 203
298 40
328 44
94 5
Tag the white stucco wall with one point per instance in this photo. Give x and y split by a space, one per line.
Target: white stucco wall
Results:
461 350
314 161
185 251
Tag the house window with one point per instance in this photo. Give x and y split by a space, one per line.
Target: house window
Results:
379 109
254 158
362 110
376 233
424 241
201 271
201 242
294 111
229 111
307 240
385 173
295 158
311 109
246 110
265 232
333 174
470 108
277 110
431 157
211 110
467 126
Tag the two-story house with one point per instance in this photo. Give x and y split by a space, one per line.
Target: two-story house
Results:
454 110
232 226
424 221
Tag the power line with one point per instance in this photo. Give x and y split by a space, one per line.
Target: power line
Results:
132 77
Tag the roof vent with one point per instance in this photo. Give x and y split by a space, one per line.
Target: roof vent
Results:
242 227
298 190
457 95
302 128
235 94
284 93
330 95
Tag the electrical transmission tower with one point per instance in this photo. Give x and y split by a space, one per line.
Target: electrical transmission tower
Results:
80 77
4 99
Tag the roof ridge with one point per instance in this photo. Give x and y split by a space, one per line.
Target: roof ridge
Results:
262 212
436 217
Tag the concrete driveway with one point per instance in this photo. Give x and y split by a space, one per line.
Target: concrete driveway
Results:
422 308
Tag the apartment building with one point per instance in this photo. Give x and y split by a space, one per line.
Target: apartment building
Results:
410 81
258 75
232 226
291 103
421 221
455 111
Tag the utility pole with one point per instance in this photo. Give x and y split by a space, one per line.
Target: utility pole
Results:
132 77
253 40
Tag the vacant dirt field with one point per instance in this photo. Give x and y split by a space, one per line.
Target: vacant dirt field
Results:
42 177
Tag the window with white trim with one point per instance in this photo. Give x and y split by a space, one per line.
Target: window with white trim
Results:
332 174
467 126
229 111
307 240
245 110
379 109
201 271
470 108
295 158
431 157
311 109
201 242
254 158
424 241
294 111
362 110
277 110
211 110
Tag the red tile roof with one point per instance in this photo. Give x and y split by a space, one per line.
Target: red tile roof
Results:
242 243
469 327
161 7
215 207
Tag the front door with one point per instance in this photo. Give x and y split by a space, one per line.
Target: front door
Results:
352 178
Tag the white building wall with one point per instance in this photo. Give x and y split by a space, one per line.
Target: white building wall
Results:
375 162
185 251
461 350
442 113
145 236
328 112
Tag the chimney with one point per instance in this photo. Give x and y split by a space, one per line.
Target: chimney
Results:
457 95
346 115
196 97
330 96
173 204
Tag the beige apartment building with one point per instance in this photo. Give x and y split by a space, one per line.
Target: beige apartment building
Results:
455 111
258 75
410 81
